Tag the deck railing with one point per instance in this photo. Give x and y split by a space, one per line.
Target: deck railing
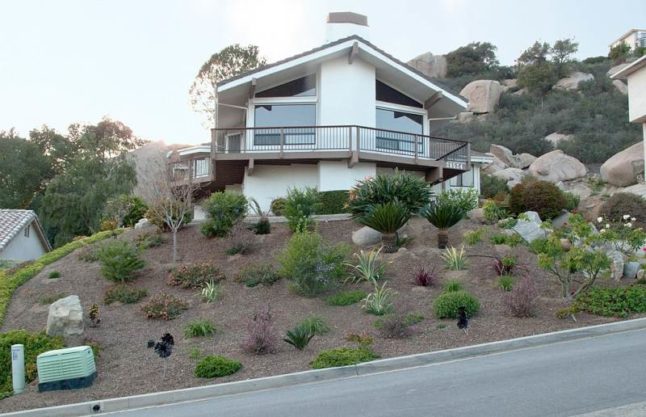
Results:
348 138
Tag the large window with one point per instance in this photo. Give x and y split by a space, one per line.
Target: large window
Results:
301 87
201 168
400 122
463 180
272 117
388 94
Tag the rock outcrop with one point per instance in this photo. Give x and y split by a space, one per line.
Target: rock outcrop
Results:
556 166
620 86
612 71
508 84
573 80
512 176
626 167
529 227
525 160
366 236
483 95
65 317
431 65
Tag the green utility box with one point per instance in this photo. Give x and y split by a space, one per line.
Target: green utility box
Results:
69 368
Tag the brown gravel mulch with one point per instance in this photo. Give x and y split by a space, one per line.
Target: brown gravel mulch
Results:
127 367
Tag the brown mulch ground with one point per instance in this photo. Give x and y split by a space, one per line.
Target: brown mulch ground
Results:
127 367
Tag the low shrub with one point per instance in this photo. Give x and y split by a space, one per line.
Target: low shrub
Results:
395 326
88 253
199 328
506 282
125 294
465 199
54 275
312 266
149 240
223 209
543 197
119 261
261 337
571 201
278 206
455 260
125 210
452 285
504 239
256 274
316 324
565 312
473 237
446 305
490 186
210 292
333 202
622 203
380 301
369 266
413 318
492 212
346 298
164 306
108 224
425 278
194 275
521 300
343 356
34 344
613 302
505 265
300 205
215 366
362 339
299 337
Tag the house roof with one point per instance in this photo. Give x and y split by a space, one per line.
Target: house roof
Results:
626 71
13 221
297 59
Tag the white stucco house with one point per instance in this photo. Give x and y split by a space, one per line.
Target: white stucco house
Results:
328 117
634 38
635 76
21 236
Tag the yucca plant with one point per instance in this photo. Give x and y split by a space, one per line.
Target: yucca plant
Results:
369 266
210 292
386 218
379 302
299 336
443 215
262 226
454 259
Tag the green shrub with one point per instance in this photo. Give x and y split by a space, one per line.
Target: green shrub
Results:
346 298
473 237
125 294
125 210
316 324
54 275
491 186
223 209
34 343
542 197
625 203
149 240
256 274
199 328
311 265
164 306
12 279
516 203
333 202
300 205
565 312
617 302
119 261
506 282
410 191
452 285
492 212
216 366
278 206
446 305
380 301
571 201
465 199
194 275
343 356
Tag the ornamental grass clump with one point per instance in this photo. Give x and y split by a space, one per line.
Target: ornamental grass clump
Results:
369 267
119 261
380 301
425 278
454 259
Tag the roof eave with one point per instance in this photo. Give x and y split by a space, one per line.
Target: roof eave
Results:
633 67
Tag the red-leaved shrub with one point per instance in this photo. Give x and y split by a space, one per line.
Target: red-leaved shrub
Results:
521 301
425 278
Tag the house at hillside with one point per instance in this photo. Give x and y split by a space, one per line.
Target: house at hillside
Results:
21 236
328 117
635 76
634 38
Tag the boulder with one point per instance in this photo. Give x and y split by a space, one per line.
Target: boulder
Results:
483 95
555 138
503 154
525 160
513 176
561 220
65 317
626 167
617 266
620 86
529 227
556 166
143 223
495 166
520 92
509 84
573 80
431 65
612 71
477 215
366 236
637 189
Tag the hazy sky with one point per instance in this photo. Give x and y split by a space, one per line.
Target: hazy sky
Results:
70 61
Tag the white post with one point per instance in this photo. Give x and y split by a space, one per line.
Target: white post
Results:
18 368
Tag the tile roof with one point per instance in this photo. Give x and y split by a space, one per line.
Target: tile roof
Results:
13 221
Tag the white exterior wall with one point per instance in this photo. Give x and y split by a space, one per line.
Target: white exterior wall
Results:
272 181
336 175
22 248
637 96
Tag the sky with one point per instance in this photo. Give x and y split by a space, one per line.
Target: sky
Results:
69 61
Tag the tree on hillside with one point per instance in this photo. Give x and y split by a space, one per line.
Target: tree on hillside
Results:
562 52
541 65
473 59
56 147
23 170
230 61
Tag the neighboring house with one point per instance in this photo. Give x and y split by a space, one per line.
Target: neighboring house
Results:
634 38
635 76
21 236
326 118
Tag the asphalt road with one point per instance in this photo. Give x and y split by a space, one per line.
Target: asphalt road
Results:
564 379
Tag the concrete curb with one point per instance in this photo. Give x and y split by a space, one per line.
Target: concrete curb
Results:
383 365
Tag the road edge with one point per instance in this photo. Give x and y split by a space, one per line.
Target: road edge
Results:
278 381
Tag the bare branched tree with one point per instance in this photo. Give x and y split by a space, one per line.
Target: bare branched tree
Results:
168 197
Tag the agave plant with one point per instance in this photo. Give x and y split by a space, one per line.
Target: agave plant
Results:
443 215
386 218
369 266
